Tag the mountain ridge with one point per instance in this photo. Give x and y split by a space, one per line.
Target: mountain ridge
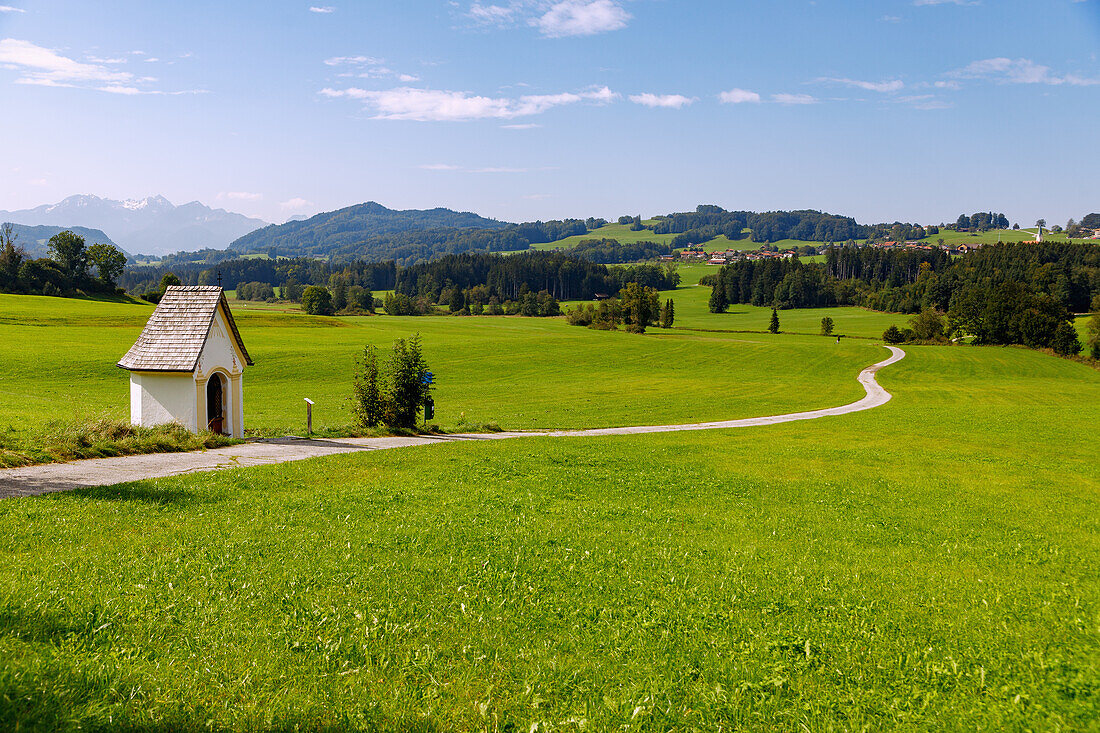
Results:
152 225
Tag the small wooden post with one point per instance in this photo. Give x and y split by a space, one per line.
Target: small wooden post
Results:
309 416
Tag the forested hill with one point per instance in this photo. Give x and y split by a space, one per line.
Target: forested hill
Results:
36 239
367 230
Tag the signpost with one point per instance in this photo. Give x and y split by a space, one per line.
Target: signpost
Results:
309 416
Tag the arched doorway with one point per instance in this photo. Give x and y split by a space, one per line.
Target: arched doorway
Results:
215 404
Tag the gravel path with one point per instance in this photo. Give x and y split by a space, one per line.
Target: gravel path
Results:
33 480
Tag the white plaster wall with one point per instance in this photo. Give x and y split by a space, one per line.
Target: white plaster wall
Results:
158 398
221 354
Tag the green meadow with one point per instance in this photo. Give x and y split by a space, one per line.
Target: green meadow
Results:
59 364
931 564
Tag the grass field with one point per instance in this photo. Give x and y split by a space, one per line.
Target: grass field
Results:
59 356
931 564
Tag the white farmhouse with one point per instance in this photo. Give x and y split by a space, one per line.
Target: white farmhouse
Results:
187 364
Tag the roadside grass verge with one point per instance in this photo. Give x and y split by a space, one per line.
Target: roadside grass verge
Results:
70 440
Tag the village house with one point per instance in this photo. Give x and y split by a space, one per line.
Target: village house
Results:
187 365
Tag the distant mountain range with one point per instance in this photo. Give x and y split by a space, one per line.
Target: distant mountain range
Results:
36 239
152 225
361 230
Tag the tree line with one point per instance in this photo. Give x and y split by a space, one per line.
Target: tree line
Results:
1001 294
72 267
562 275
611 251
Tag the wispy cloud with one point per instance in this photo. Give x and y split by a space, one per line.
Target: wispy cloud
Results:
368 67
296 204
669 101
354 61
447 168
794 99
435 105
883 87
521 126
738 96
924 101
42 66
39 66
581 18
496 15
240 196
1018 71
323 9
552 18
10 9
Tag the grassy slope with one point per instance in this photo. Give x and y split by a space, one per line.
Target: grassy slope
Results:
927 565
622 233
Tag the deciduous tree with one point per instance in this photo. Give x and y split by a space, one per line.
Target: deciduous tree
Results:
109 262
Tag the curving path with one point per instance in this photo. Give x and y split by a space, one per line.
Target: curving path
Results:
33 480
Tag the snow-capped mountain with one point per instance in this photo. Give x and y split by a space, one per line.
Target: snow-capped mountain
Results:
151 225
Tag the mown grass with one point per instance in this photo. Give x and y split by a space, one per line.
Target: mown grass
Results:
931 564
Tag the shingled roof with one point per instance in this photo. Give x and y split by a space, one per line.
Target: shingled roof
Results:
175 334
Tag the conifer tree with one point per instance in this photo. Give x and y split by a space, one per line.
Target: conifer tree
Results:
668 314
367 390
718 302
773 327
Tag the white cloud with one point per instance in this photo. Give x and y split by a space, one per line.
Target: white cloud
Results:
793 99
581 18
354 61
499 15
444 167
738 96
424 105
871 86
44 67
10 9
296 204
522 126
669 101
39 66
323 9
1018 71
499 170
368 67
924 101
120 89
98 60
890 19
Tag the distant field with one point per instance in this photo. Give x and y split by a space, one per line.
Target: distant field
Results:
521 373
622 233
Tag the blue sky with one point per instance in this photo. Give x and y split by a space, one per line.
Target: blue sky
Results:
520 109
